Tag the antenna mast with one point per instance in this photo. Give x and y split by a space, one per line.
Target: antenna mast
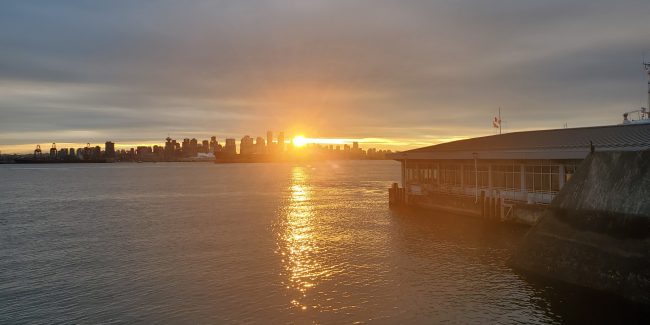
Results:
646 67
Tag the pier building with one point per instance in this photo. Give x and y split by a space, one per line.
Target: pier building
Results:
510 176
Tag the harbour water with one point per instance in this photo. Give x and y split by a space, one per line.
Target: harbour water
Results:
258 243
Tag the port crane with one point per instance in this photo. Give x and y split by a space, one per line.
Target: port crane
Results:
53 150
38 152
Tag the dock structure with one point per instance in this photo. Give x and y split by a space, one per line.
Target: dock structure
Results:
506 177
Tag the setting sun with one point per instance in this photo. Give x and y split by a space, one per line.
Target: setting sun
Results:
299 141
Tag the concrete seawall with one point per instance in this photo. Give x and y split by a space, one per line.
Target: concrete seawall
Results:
596 232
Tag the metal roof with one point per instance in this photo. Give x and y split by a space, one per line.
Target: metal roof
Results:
542 144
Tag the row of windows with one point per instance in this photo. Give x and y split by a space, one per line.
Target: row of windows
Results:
537 178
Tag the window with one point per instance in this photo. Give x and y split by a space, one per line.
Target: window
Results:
450 174
470 176
506 177
542 178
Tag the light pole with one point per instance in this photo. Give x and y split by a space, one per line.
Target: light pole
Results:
475 155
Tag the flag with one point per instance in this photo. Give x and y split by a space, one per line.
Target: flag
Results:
496 123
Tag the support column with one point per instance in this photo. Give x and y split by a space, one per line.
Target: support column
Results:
522 181
562 176
462 178
490 179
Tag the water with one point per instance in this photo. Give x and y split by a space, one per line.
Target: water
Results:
257 243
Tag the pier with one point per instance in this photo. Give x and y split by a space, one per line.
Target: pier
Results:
511 177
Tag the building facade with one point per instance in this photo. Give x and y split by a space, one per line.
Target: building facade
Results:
519 170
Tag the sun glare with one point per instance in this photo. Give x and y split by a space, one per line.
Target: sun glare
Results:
299 141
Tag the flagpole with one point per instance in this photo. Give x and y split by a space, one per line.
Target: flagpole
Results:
499 119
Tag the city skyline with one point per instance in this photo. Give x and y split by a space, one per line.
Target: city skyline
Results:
29 148
398 75
269 149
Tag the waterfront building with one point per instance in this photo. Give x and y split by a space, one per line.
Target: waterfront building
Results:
515 170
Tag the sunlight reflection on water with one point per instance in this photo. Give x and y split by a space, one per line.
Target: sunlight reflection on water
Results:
298 241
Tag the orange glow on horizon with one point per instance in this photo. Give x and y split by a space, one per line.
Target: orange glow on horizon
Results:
299 141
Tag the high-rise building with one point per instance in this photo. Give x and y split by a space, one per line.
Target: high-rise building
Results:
269 137
109 149
186 148
194 147
170 147
260 146
213 143
205 146
230 148
280 142
246 146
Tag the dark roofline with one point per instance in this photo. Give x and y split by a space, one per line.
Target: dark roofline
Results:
569 143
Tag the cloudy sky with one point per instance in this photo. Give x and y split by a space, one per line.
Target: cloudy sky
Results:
398 73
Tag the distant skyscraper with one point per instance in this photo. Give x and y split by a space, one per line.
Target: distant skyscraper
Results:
194 147
109 149
246 146
169 148
260 146
281 142
205 146
269 141
186 147
213 143
231 147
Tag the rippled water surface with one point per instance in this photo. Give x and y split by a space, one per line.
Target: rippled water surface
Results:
260 243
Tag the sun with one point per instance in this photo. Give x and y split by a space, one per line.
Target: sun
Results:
299 141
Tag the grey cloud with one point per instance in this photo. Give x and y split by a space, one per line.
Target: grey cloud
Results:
231 66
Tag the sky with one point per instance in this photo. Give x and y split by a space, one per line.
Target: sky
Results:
392 74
